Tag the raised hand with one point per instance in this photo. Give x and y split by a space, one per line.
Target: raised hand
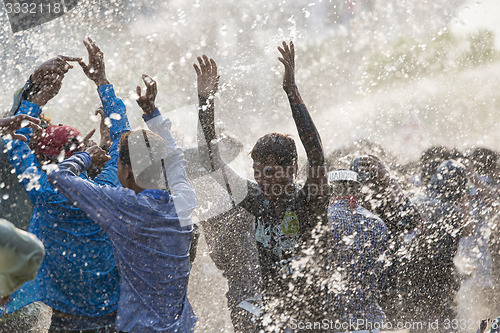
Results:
59 65
87 142
47 79
208 80
104 130
95 69
9 125
98 155
288 59
147 102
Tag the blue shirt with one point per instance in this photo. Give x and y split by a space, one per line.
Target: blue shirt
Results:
359 240
78 274
151 240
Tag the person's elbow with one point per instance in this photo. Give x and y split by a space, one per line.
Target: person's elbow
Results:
193 201
185 203
190 200
55 176
52 176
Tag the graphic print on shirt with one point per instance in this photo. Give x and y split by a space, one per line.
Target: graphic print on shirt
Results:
290 223
278 237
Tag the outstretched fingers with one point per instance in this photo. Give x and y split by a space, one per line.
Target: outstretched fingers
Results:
208 67
99 111
84 66
197 69
66 58
64 61
88 136
90 49
201 64
282 51
285 47
95 47
19 137
151 88
31 119
214 66
288 53
148 80
28 121
10 125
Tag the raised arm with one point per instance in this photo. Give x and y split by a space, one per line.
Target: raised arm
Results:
105 142
236 186
27 167
113 108
208 82
174 164
308 133
44 83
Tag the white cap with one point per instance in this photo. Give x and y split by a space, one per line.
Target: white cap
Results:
345 175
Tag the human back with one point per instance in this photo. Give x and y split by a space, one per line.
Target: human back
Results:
151 247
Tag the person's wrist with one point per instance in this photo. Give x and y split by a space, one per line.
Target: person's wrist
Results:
205 97
101 81
148 109
105 146
38 101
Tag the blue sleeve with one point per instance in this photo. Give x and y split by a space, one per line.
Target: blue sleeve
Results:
99 202
29 109
115 110
28 169
154 114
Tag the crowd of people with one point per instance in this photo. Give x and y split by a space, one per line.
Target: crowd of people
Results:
344 245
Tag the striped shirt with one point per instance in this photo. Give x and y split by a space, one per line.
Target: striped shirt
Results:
358 245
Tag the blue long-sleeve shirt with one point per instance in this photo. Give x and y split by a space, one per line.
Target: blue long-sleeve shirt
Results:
78 274
151 234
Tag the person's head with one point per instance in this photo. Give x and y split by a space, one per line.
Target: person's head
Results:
432 158
141 160
449 183
275 164
344 183
58 142
484 161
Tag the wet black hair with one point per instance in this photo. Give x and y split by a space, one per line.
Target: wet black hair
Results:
432 157
484 160
280 146
449 183
123 152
